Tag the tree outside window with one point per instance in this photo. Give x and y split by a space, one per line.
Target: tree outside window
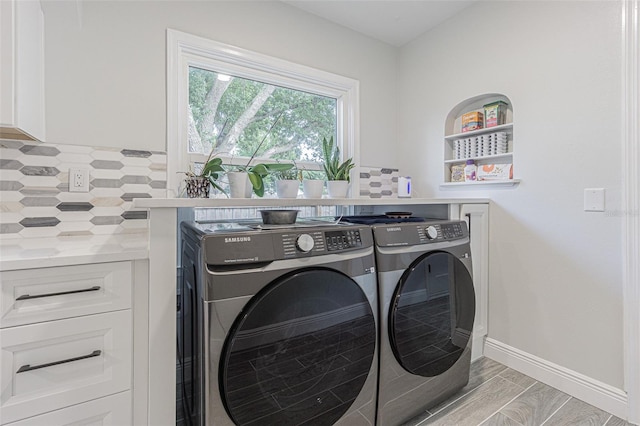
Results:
231 115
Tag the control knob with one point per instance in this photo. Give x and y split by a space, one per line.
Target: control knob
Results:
431 232
305 243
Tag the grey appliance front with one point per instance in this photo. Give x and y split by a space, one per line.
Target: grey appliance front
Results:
427 307
290 340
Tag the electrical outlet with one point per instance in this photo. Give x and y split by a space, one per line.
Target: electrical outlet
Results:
78 180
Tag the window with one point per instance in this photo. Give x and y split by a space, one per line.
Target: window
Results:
231 100
231 115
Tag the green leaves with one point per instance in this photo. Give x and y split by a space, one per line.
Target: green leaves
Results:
212 170
332 166
259 171
278 167
257 183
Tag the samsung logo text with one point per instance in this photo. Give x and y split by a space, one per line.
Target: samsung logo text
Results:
237 239
394 229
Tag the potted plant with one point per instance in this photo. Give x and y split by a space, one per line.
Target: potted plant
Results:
338 174
254 174
252 177
311 186
287 183
239 184
198 184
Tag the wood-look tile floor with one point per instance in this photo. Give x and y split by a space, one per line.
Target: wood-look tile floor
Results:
500 396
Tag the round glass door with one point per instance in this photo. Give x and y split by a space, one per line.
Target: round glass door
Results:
431 314
300 351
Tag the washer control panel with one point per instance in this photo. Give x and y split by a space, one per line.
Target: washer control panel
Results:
303 243
341 240
228 246
296 244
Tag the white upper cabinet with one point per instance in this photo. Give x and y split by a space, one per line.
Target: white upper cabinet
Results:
22 65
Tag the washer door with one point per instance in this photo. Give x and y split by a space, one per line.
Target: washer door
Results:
300 351
431 314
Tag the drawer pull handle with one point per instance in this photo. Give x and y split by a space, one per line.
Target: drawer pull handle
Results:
60 293
64 361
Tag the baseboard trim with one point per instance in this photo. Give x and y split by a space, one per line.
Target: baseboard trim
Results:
585 388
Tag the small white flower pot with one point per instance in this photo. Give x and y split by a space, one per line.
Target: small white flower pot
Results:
239 185
312 188
287 188
337 188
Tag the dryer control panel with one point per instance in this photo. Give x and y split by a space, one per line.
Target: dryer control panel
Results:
405 234
452 230
443 231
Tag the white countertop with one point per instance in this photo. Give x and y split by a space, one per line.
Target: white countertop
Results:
291 202
29 253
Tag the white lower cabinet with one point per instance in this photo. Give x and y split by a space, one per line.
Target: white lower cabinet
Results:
66 345
45 294
114 410
59 363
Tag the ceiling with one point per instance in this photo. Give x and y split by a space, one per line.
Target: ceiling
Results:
395 22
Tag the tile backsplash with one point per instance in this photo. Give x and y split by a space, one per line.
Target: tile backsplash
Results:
35 201
378 182
34 189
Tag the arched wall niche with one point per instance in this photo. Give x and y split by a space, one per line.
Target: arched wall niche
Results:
475 144
476 103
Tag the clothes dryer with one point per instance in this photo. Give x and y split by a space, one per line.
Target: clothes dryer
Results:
283 324
427 308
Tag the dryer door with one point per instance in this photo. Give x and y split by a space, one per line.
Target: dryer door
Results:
300 351
431 314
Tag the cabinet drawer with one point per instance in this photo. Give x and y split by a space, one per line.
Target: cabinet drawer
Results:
48 366
114 410
35 295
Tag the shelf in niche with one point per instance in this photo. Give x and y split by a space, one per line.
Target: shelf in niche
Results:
510 182
500 128
485 157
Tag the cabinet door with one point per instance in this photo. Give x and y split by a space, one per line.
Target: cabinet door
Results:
35 295
48 366
22 77
114 410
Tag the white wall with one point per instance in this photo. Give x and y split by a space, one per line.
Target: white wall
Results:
105 65
555 270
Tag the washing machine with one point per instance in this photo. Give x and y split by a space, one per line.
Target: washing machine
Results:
427 308
279 324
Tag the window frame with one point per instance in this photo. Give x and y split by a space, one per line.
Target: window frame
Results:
186 50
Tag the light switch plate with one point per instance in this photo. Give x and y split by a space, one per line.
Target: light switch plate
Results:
594 199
